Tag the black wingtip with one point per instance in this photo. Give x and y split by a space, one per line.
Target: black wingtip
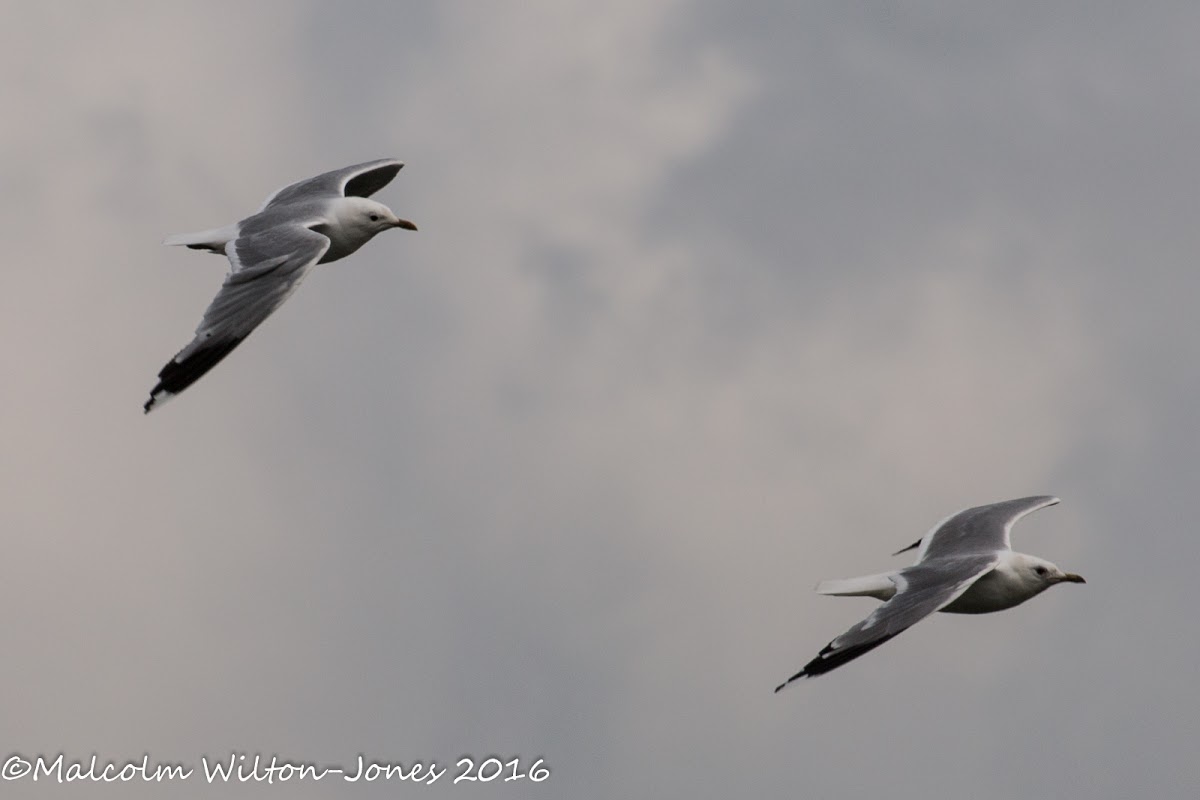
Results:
178 375
830 658
368 183
804 673
157 398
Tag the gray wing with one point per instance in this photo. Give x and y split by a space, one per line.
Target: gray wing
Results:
920 590
983 529
267 268
360 180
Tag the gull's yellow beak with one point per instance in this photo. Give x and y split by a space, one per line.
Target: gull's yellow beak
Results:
1071 577
403 223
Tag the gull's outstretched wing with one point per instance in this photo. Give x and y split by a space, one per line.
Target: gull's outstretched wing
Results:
979 529
983 529
920 590
360 180
267 267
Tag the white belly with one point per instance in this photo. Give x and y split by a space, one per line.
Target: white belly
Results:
995 591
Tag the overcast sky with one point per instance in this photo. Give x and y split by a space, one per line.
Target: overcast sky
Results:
710 301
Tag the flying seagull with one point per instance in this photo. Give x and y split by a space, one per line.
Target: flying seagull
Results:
965 565
314 221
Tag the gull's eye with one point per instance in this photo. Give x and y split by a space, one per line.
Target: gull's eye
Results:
374 218
1040 570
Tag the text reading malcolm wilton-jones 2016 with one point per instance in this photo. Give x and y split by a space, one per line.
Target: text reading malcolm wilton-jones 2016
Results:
247 768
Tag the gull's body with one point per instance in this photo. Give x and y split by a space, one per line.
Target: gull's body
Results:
314 221
965 565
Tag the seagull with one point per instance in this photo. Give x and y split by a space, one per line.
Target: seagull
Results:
965 565
311 222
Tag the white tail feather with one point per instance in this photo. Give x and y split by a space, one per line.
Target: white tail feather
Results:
214 239
880 586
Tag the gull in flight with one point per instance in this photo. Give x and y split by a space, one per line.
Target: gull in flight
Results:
311 222
965 565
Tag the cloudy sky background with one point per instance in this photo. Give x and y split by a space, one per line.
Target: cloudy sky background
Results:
709 302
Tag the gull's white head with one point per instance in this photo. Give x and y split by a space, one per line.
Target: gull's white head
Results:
372 217
1038 574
